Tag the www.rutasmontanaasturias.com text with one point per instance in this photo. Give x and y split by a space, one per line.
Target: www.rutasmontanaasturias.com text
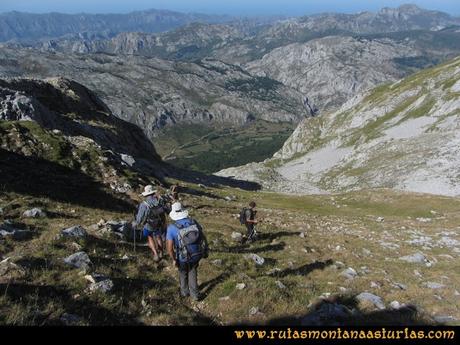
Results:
339 333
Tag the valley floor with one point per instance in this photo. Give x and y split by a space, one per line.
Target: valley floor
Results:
320 254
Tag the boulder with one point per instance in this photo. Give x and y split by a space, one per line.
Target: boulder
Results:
414 258
75 231
434 285
367 298
326 313
78 260
240 286
349 273
237 237
259 261
253 311
34 213
396 305
127 159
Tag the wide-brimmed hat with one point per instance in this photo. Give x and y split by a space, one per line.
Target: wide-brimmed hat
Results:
177 212
148 190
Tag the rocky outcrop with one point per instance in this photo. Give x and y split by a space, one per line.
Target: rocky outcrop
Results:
402 136
332 70
61 121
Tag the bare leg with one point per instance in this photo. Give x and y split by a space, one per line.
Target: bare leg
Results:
159 243
153 246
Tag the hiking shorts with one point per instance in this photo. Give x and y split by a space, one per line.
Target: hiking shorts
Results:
147 232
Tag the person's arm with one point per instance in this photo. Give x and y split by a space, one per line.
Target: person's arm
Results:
205 241
140 216
170 245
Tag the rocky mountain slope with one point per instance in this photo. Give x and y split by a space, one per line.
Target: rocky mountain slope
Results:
402 135
60 126
333 69
155 93
28 27
329 57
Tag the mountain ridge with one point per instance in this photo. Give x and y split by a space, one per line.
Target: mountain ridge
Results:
401 135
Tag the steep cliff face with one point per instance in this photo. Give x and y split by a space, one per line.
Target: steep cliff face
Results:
403 135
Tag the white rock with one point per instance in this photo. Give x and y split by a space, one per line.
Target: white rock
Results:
34 213
78 260
414 258
253 310
349 273
374 299
240 286
395 305
280 285
74 231
424 220
259 261
237 236
434 285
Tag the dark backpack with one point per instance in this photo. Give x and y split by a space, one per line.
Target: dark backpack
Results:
154 216
191 244
243 218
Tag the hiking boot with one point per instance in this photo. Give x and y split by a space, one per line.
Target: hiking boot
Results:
156 258
195 298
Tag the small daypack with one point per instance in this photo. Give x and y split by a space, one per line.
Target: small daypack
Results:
154 216
190 243
243 218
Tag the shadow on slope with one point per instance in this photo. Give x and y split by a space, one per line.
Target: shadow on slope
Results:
44 179
345 311
212 181
28 295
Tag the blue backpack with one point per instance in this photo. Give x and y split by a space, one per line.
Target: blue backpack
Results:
191 246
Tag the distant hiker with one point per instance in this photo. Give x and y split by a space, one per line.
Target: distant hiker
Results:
171 197
150 215
248 218
186 245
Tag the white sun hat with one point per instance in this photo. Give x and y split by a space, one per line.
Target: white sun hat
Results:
148 190
177 212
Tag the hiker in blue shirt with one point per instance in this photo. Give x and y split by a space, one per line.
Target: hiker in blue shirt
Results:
186 245
150 215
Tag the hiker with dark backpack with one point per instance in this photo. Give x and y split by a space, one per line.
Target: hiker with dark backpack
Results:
150 215
248 219
186 245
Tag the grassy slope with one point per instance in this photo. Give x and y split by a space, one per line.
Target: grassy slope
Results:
338 228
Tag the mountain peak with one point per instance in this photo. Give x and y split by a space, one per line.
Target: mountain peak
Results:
410 8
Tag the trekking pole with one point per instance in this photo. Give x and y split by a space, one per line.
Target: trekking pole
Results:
134 240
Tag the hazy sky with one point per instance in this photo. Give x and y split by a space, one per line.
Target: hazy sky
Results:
234 7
